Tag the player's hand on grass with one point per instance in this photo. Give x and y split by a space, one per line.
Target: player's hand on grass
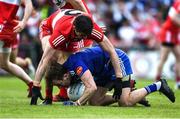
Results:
117 88
69 103
36 93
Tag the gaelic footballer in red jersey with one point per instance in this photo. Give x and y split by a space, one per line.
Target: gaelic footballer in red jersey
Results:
67 4
62 19
46 29
76 27
9 27
170 40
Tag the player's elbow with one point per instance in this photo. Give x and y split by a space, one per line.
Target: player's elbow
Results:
93 88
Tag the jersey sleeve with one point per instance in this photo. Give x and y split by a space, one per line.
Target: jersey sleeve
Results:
79 68
45 28
57 39
97 34
75 66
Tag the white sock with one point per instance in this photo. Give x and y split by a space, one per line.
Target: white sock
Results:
158 85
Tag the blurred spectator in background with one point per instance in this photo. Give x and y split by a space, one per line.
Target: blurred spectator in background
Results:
170 41
25 63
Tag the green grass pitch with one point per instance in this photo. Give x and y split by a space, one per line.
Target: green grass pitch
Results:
15 104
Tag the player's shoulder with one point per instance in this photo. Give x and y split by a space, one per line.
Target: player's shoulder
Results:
177 5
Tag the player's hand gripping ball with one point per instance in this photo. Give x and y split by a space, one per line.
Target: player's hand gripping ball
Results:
75 91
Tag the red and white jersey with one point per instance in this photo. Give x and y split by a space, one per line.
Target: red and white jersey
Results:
170 30
8 10
169 24
87 42
60 26
48 30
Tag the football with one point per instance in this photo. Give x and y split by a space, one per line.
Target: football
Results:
75 91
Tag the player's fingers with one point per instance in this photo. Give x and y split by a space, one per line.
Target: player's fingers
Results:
17 30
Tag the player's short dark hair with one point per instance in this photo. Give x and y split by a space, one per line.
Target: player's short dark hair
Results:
55 71
83 24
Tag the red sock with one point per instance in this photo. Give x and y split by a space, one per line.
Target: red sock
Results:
30 85
158 77
49 93
177 79
132 84
63 92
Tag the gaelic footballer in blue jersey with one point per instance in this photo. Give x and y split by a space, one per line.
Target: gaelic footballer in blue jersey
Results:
94 69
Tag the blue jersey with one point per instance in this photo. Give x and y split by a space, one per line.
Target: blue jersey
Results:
98 62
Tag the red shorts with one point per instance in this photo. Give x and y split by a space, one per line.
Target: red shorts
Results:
169 36
16 41
7 36
7 40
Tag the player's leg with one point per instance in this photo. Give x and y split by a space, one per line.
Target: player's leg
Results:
13 68
61 96
27 64
100 97
176 52
164 52
130 98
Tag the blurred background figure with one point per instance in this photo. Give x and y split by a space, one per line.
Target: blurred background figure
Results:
170 41
9 27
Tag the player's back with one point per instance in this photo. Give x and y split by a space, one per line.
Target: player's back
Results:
62 20
95 59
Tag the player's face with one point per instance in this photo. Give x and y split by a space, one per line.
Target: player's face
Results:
63 81
79 36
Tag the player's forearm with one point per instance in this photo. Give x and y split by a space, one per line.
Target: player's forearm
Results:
28 10
86 95
116 64
109 48
78 4
39 73
43 65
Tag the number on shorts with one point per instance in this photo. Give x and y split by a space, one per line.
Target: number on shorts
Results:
1 27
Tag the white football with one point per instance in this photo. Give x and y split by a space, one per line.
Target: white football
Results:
75 91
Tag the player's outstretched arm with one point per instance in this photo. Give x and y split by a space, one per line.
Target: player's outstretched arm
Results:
77 4
108 47
44 63
27 14
90 87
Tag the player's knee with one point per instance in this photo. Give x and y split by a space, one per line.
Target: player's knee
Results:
4 65
126 102
94 103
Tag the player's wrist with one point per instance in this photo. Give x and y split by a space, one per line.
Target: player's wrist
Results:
78 103
36 84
